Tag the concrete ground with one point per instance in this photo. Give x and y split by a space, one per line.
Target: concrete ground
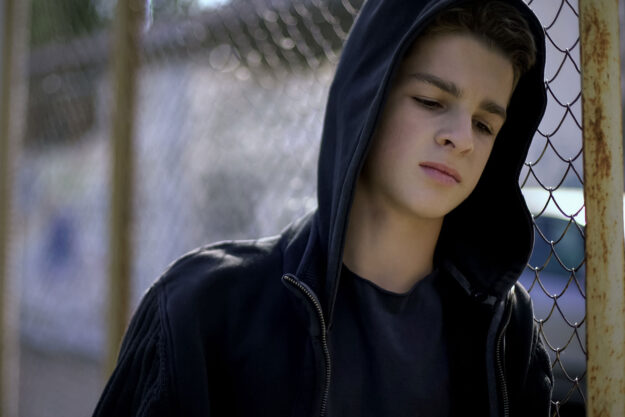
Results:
58 384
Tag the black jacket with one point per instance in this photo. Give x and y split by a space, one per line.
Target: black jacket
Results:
240 328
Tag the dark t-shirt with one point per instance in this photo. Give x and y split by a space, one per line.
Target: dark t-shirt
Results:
389 354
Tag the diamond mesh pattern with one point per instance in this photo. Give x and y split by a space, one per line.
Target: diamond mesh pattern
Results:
552 182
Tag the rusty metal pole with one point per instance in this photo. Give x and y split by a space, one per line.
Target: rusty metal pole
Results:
126 56
5 195
603 193
14 16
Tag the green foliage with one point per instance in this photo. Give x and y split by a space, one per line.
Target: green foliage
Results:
59 20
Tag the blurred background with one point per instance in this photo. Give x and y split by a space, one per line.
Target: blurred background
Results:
229 108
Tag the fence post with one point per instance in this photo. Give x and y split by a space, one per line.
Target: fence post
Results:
5 197
127 31
603 193
14 17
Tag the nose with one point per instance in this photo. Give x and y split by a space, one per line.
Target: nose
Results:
456 132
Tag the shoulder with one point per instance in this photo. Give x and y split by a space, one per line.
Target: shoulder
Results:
240 266
213 278
522 312
527 360
224 255
520 298
222 290
522 338
204 304
223 263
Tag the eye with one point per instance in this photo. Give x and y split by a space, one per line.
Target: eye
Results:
428 104
484 128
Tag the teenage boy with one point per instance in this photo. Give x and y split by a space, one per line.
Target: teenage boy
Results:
398 295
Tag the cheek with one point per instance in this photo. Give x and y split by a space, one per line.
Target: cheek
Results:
397 141
387 154
395 137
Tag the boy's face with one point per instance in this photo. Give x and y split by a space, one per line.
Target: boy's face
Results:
444 109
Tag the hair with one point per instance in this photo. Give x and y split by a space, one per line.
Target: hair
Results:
500 25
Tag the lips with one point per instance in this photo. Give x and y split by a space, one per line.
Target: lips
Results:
443 169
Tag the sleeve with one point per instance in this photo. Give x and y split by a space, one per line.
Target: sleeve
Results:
539 382
527 361
139 385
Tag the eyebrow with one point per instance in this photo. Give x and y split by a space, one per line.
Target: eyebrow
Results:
451 88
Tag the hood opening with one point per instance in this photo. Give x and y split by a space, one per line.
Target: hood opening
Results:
492 238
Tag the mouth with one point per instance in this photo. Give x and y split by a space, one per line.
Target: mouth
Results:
443 169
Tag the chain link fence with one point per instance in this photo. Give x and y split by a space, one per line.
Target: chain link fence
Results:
229 116
552 182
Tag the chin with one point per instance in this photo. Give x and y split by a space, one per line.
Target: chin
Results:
432 208
430 212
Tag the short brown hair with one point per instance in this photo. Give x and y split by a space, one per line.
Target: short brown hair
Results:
500 25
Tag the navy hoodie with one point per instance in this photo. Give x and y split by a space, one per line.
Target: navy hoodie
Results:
240 328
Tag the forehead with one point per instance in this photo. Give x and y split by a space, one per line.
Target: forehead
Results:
462 59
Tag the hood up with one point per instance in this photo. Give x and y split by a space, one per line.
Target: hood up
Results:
488 238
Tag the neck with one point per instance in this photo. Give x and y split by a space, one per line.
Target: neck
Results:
389 247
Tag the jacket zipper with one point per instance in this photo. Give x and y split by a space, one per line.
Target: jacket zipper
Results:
324 341
500 372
